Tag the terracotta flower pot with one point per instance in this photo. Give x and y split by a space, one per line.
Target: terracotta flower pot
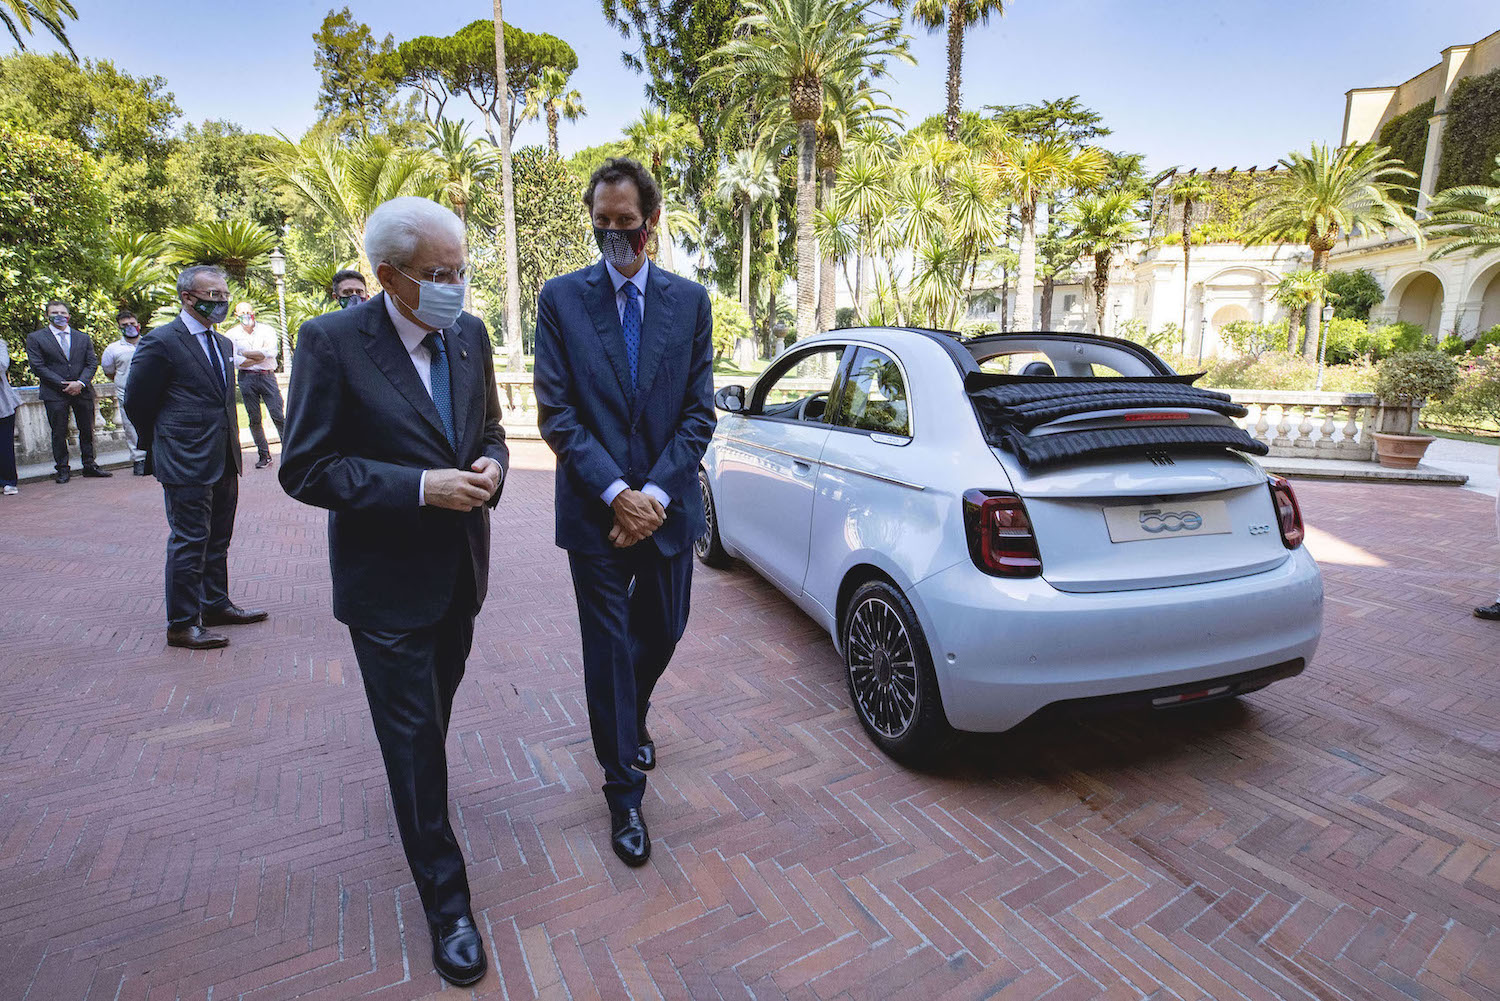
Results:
1401 451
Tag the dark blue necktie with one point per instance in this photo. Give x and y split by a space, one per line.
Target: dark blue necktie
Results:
631 324
214 361
442 391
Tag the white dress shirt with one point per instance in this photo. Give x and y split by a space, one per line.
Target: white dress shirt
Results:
64 339
200 333
260 338
622 300
412 337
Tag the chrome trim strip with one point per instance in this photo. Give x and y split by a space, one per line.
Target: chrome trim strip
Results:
767 448
873 476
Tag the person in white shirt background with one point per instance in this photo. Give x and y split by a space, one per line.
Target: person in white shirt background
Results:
116 364
255 357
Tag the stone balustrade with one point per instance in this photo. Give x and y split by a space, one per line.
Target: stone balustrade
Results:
1310 425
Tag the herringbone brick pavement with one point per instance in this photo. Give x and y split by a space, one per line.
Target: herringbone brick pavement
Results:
215 825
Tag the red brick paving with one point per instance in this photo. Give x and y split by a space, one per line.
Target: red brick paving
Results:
215 825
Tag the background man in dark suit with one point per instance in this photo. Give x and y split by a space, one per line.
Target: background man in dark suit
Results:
624 387
64 361
394 427
180 398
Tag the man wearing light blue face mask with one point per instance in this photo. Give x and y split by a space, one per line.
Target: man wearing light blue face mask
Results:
408 458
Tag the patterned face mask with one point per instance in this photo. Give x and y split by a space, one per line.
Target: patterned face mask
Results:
621 247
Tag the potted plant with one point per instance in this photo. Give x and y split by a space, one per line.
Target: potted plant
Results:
1406 381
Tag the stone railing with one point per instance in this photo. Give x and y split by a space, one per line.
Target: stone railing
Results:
1320 425
34 435
1311 425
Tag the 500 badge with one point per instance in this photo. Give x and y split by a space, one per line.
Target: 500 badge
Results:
1155 520
1133 523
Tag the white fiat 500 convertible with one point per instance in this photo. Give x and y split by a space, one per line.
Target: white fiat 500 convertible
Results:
990 526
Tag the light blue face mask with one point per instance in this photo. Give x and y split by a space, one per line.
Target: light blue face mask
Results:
438 304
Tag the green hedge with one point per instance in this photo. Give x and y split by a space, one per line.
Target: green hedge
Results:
1406 135
1471 136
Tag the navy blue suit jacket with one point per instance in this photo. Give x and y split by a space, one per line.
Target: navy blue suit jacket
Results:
604 428
360 430
185 415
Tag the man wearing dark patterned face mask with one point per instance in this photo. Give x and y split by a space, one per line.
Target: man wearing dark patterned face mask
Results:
180 398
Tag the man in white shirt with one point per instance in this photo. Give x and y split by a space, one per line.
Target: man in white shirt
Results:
255 357
116 365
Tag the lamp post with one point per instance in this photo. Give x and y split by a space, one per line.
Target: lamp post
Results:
1323 343
1202 334
1114 329
278 271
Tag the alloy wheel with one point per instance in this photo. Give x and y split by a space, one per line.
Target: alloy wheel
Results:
882 667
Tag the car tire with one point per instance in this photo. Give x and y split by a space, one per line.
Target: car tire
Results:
708 547
888 668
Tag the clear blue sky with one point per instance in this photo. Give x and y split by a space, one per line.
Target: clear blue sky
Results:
1197 82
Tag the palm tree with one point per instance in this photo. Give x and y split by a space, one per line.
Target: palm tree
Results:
550 96
17 16
958 15
1189 191
1103 224
1470 213
1295 291
808 49
344 183
135 277
1327 194
513 342
239 246
1028 171
747 179
463 167
657 139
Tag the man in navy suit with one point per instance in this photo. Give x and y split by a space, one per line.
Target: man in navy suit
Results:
624 389
394 427
64 361
180 399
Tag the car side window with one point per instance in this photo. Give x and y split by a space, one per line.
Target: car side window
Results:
800 391
873 395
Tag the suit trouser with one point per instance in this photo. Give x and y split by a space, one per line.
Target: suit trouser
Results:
201 517
131 438
256 387
83 415
632 610
8 451
410 677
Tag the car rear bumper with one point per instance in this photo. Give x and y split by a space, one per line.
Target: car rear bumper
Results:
1003 649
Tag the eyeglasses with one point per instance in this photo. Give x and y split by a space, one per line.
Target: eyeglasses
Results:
213 296
443 276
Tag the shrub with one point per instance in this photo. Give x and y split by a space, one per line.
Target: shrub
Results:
1279 370
730 322
1345 340
1405 337
1413 376
1476 399
1490 338
1355 293
1253 339
1454 345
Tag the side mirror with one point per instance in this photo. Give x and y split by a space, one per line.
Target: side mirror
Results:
731 399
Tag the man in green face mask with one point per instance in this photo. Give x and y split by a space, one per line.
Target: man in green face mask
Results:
180 397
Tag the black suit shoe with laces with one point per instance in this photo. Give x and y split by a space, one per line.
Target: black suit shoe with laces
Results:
1488 611
62 477
233 615
196 638
645 758
96 473
628 836
458 952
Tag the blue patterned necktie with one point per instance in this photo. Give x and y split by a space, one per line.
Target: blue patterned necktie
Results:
442 391
631 324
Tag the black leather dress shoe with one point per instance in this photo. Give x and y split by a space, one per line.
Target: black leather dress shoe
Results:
233 615
138 468
96 473
1488 611
62 477
628 836
458 952
196 638
645 758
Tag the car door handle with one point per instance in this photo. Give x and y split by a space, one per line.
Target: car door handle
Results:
802 468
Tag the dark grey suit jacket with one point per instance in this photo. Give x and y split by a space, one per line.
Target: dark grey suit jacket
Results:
185 417
360 430
605 428
53 371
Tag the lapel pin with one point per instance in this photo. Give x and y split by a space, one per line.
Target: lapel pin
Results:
463 355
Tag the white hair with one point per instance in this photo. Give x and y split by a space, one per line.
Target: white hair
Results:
395 228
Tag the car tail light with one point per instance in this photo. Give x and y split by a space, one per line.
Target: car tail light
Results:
1001 540
1288 514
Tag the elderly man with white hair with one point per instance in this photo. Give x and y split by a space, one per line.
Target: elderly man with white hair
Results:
394 427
